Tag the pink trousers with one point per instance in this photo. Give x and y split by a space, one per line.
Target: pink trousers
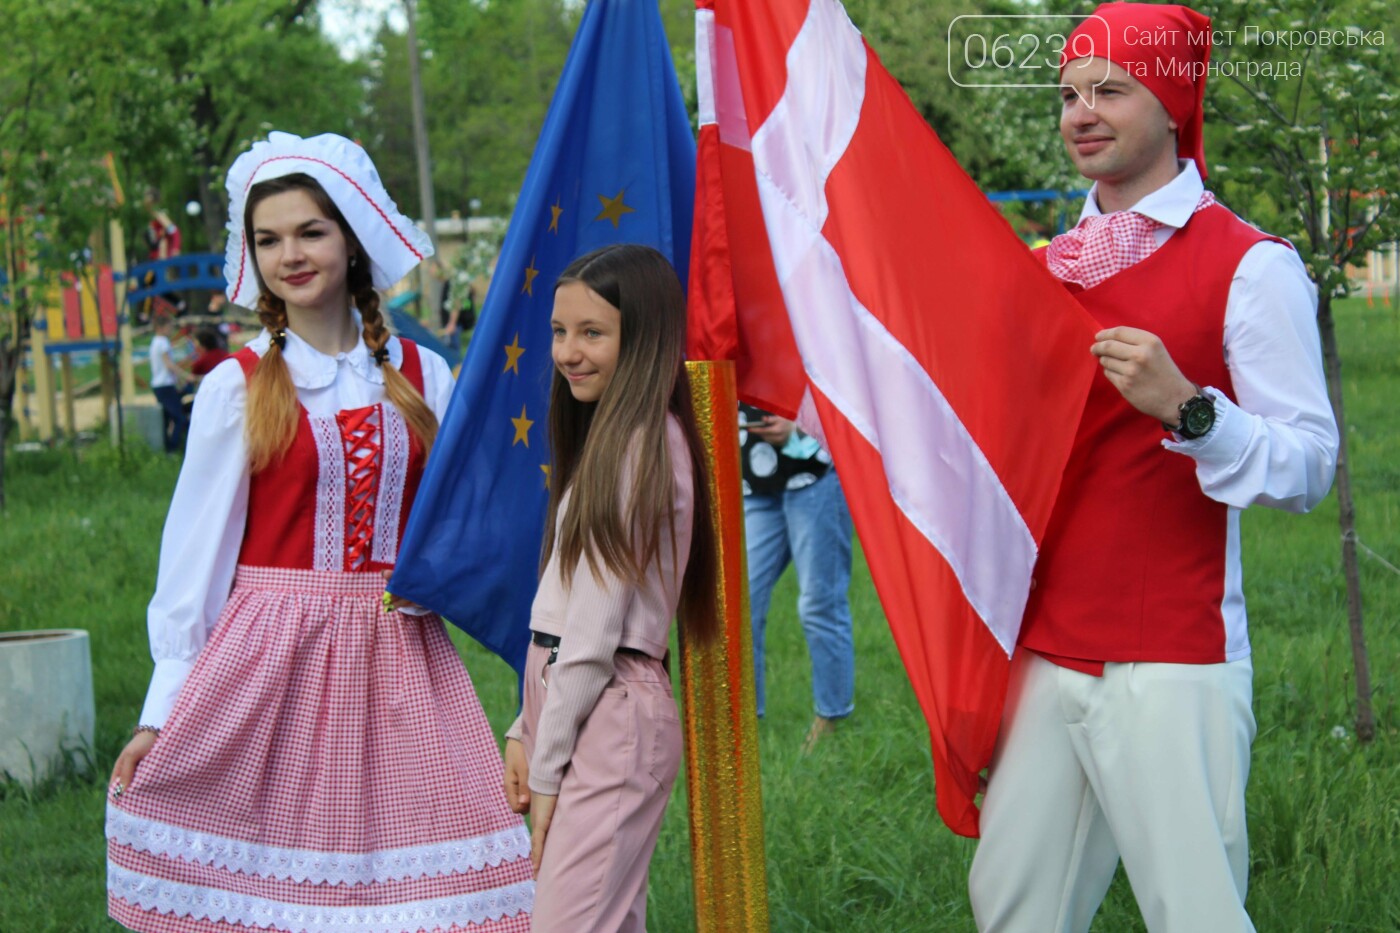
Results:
593 876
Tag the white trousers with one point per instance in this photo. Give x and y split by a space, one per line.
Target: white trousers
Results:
1147 763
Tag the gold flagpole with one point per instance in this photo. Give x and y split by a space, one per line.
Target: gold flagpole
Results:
721 727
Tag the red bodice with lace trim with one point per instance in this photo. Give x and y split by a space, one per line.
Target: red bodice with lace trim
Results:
340 496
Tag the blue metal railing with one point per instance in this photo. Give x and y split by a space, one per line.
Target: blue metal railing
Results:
191 272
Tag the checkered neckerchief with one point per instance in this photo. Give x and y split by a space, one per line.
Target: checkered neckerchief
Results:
1106 244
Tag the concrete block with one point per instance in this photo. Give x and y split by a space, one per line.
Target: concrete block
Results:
46 703
144 421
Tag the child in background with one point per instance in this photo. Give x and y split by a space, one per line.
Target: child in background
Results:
166 376
210 352
595 751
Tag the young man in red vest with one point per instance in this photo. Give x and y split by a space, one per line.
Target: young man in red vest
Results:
1128 723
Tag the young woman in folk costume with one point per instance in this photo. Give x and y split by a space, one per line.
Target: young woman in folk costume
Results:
629 539
308 760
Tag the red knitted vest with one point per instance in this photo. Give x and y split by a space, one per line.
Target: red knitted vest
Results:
283 511
1132 567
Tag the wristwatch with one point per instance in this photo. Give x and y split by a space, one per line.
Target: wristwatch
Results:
1197 416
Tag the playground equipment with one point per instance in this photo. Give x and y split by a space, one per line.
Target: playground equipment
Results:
93 312
80 316
189 272
90 309
83 318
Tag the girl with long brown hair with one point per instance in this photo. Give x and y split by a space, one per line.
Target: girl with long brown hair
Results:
309 758
629 540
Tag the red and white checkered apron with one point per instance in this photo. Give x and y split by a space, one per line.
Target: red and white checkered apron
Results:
1104 245
327 767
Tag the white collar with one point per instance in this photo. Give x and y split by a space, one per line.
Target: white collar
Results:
312 369
1172 204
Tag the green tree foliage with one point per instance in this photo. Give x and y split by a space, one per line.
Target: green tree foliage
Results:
490 67
62 100
1308 135
244 67
60 93
174 89
388 131
678 19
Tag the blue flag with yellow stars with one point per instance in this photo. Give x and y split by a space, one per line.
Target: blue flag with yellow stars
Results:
615 163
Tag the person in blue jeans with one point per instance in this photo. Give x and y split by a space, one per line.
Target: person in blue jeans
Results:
795 511
166 376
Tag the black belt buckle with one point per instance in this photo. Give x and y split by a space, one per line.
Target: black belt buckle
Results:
552 642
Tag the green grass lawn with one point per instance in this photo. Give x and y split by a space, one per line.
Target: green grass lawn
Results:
853 840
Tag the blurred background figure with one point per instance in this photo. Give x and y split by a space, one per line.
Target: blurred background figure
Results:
209 352
166 376
456 304
162 233
795 512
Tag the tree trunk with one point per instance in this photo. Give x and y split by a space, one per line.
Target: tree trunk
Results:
206 118
11 355
1346 509
212 209
4 433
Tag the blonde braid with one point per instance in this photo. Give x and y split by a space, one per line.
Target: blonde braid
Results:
270 424
375 332
421 420
272 314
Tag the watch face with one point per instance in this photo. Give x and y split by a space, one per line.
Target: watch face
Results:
1198 418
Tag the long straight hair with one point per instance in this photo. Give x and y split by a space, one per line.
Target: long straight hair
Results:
595 443
273 412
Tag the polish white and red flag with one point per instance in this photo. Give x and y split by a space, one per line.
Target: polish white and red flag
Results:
863 283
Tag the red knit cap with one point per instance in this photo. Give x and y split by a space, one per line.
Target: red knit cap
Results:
1164 46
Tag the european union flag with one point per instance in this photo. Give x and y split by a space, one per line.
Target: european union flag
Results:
615 163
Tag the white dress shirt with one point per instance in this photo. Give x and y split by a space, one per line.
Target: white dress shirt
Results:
204 529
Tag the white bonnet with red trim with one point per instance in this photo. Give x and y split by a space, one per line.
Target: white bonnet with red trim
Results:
394 244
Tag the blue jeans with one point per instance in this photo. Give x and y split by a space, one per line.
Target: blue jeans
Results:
811 527
174 417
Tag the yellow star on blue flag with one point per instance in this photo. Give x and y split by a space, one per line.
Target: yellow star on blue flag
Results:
613 209
513 353
617 128
522 429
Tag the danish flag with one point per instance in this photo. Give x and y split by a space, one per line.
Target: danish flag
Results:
864 284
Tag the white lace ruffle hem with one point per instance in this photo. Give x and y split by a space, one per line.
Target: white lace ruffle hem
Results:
307 865
216 906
